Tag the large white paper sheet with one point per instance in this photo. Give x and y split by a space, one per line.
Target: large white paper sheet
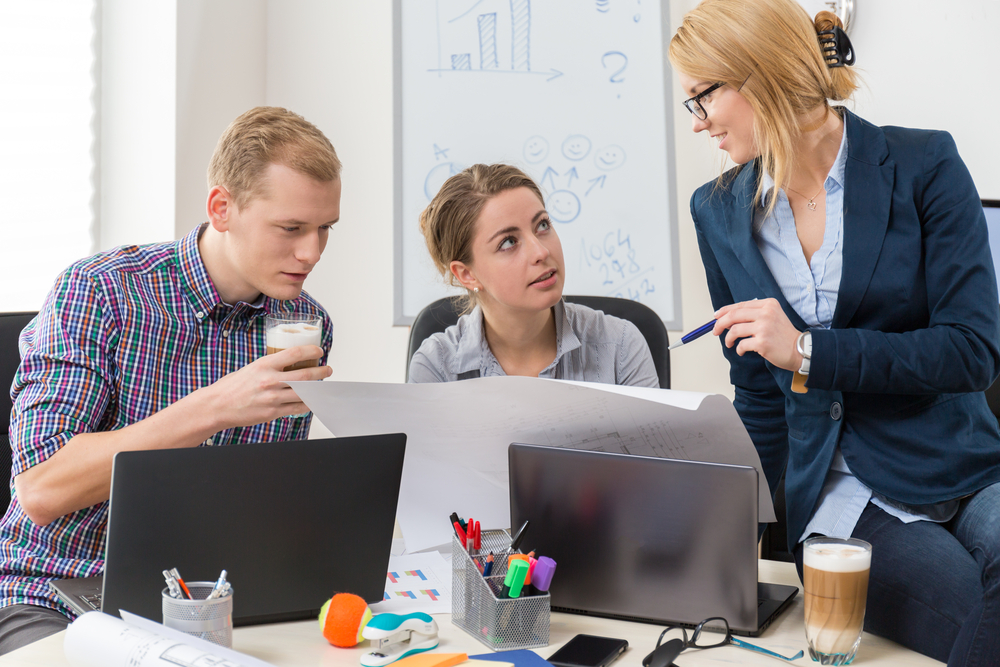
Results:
101 640
458 434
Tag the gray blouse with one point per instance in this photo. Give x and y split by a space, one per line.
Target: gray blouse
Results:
590 346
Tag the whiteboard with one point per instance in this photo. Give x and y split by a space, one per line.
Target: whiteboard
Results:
576 93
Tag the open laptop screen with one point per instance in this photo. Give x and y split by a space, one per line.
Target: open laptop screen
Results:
649 539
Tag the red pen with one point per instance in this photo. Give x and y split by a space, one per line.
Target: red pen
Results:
460 533
479 535
177 576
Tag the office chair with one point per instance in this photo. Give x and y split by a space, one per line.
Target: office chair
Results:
993 398
441 314
11 325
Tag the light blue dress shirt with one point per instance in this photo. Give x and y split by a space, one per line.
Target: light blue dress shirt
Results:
811 288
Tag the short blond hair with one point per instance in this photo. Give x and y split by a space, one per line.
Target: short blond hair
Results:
772 46
449 221
264 136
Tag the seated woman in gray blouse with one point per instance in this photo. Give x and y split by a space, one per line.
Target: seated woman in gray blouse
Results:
487 230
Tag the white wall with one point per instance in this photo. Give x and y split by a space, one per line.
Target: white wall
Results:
331 61
221 72
138 128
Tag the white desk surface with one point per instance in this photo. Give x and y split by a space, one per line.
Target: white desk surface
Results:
300 644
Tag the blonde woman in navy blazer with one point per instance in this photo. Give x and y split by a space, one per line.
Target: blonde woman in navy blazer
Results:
867 269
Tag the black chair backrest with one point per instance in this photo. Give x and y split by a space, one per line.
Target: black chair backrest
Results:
993 398
11 325
441 314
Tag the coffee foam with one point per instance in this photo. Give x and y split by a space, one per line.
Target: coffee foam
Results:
292 334
831 557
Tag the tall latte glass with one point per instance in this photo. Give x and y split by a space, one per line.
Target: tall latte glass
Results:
835 577
287 331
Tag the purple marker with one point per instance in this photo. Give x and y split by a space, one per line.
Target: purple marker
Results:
541 576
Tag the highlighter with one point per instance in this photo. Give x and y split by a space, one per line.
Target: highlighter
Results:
514 580
544 569
516 557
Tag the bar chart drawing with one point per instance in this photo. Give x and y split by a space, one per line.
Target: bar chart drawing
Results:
520 40
517 16
488 41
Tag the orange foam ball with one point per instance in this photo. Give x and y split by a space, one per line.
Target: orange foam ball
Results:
342 618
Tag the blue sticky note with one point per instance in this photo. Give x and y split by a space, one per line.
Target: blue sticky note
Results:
520 658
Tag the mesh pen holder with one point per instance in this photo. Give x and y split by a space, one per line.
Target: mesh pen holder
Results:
211 620
500 624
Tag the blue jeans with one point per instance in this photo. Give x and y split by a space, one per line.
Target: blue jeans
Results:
935 588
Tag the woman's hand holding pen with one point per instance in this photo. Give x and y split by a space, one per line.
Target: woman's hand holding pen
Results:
760 326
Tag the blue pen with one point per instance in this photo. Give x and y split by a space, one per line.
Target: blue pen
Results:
693 335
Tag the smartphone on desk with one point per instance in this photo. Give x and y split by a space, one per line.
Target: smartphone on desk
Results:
588 651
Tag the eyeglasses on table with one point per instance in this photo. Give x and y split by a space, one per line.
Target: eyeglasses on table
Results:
710 633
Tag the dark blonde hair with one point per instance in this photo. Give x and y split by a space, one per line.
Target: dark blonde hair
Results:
773 46
266 135
449 221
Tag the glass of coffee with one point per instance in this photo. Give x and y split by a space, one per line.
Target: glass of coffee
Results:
835 578
285 331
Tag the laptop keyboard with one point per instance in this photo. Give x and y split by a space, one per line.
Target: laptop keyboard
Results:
92 601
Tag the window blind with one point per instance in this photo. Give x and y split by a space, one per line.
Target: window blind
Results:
48 79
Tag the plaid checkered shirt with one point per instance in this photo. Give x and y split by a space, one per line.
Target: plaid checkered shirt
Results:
122 335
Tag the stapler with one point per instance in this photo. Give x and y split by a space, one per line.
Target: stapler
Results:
395 636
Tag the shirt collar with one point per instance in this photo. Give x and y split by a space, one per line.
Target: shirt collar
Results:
836 174
200 289
194 276
473 350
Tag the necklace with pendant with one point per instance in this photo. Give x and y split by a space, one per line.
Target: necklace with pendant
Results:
812 200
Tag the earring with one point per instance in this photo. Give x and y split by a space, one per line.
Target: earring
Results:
475 290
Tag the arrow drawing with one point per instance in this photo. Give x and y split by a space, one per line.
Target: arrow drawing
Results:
550 174
595 182
572 174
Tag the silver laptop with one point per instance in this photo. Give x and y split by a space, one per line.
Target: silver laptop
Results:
645 539
291 522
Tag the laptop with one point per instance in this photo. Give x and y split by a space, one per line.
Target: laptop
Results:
291 522
645 539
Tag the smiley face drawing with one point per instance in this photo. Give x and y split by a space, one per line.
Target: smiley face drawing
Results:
536 149
576 147
563 206
609 158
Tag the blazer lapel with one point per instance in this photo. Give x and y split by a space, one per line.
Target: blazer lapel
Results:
869 177
739 221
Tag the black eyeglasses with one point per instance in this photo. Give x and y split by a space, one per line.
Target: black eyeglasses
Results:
710 633
693 104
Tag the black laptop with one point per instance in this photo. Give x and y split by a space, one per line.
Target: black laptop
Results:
645 539
291 522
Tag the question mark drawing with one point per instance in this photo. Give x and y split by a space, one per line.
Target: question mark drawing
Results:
616 76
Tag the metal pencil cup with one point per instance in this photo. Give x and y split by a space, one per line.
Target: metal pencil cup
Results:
211 620
500 624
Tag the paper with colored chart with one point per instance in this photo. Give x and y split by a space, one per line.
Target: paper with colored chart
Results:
457 434
416 582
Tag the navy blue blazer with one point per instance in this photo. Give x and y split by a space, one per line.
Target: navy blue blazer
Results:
897 380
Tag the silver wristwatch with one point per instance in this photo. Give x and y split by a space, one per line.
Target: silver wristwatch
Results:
804 346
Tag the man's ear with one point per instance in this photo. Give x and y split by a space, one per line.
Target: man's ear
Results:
220 207
464 275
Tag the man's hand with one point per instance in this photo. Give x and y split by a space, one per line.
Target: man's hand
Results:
258 392
760 326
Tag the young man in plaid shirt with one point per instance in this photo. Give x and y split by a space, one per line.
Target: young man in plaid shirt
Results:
162 346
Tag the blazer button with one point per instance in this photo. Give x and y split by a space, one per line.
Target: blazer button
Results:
836 411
